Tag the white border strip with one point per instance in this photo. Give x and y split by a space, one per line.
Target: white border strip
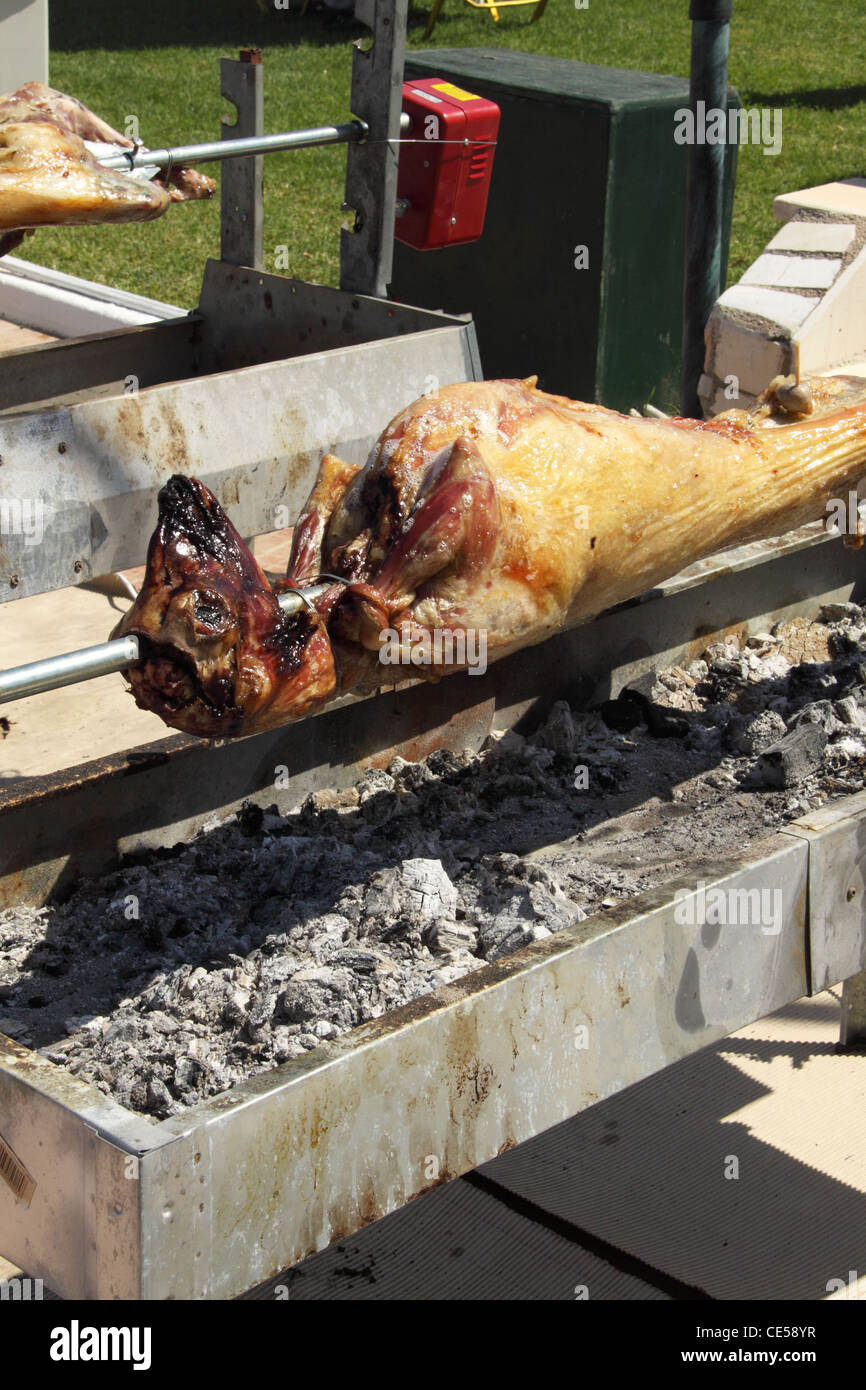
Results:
50 301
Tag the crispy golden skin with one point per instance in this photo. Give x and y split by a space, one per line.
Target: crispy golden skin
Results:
48 176
495 508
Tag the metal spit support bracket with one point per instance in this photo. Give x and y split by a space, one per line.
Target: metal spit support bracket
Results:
366 253
242 180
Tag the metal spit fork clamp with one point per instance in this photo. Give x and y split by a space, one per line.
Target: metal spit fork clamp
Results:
445 168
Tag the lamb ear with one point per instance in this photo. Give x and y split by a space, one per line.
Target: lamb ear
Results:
306 561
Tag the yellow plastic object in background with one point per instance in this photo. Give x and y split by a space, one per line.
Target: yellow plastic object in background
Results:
493 6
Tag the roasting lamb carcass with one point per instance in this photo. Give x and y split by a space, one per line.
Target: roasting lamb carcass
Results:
489 507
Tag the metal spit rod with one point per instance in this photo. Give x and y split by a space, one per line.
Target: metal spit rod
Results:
347 133
90 662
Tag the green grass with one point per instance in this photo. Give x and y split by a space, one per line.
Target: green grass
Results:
160 62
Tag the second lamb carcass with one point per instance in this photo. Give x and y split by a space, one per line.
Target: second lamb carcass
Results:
50 174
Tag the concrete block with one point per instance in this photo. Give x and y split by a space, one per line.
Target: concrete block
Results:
746 353
707 387
814 236
714 401
792 272
784 310
847 196
836 330
794 757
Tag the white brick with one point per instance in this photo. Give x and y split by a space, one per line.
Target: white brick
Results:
746 353
792 272
721 403
814 236
836 332
785 311
848 197
706 386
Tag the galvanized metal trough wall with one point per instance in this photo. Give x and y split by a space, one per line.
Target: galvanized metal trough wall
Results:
208 1204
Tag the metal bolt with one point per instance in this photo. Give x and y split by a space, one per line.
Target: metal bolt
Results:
61 448
78 566
852 893
453 221
14 581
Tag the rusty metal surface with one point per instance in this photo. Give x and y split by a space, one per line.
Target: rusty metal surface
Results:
82 1230
836 836
229 1193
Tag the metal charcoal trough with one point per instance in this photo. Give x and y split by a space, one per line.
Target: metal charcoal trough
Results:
211 1202
246 393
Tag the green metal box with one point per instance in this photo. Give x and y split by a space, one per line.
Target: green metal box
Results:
586 159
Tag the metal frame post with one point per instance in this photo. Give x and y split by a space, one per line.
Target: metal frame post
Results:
366 252
852 1031
242 180
704 191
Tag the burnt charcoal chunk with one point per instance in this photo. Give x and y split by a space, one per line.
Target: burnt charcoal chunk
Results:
840 613
752 736
623 713
250 818
443 763
631 708
363 962
793 758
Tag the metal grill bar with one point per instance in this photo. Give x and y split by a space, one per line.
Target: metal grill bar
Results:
344 134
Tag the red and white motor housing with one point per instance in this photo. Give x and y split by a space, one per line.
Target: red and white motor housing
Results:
444 178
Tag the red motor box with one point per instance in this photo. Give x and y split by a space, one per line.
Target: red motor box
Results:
445 177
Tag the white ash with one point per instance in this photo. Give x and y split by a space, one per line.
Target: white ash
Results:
189 969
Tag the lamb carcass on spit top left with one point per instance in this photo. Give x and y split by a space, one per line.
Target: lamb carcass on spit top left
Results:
50 173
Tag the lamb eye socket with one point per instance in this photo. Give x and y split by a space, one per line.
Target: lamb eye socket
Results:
209 612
